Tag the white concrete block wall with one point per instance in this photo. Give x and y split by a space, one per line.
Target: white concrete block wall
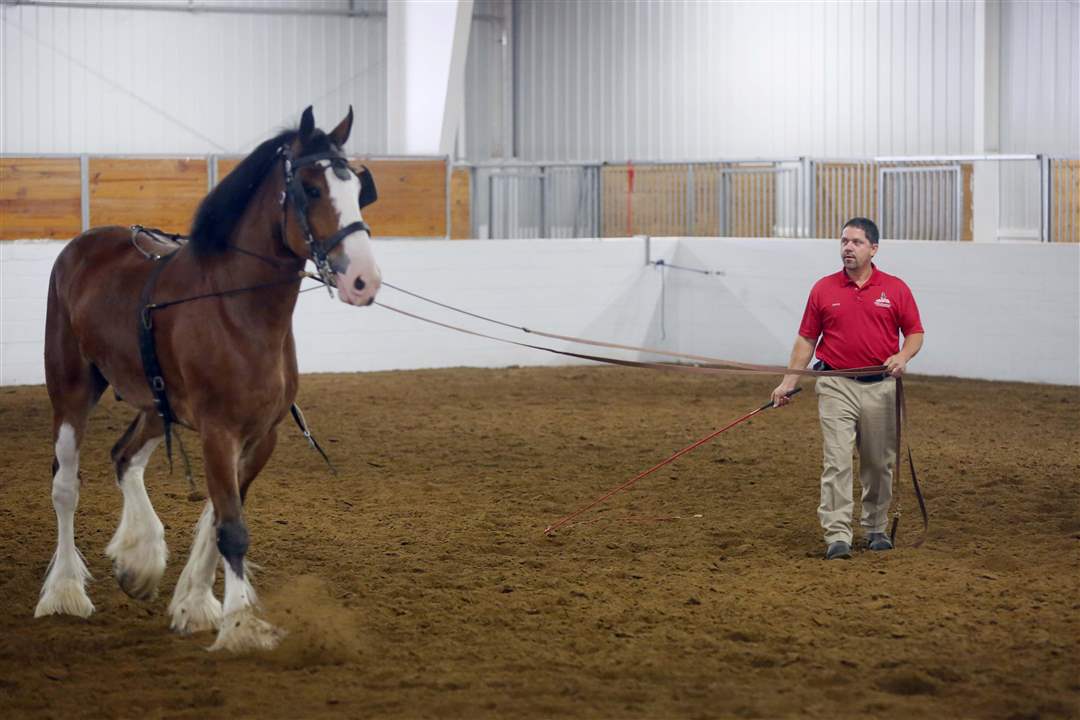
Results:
1001 311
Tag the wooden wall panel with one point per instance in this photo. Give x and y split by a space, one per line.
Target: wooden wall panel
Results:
412 198
160 193
40 198
1065 201
655 205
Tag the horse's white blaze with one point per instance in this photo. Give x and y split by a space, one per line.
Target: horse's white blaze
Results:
240 628
194 607
138 547
64 589
344 195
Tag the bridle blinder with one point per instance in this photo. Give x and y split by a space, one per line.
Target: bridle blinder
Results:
295 193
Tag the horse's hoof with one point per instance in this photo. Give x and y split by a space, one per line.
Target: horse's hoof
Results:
195 613
64 597
139 567
242 631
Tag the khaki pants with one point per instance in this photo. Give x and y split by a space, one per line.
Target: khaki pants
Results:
863 414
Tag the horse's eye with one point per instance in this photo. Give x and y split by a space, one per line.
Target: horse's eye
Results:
312 192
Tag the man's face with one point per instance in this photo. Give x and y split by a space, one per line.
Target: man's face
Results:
855 249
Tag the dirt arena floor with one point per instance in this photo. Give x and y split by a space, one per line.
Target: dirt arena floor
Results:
418 582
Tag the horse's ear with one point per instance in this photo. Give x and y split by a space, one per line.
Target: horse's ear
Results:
341 133
307 123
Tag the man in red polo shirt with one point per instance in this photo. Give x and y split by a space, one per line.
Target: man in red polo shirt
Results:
858 314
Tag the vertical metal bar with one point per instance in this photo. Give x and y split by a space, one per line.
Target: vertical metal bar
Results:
944 202
1044 197
600 205
958 198
491 206
909 205
936 197
543 200
944 198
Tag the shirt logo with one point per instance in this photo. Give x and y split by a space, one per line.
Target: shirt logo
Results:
883 301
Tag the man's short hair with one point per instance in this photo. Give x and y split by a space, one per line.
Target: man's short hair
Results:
867 226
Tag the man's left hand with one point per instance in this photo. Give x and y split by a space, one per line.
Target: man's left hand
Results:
895 365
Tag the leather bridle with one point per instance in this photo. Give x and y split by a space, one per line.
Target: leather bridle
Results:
295 194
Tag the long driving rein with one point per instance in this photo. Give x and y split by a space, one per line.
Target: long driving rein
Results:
293 194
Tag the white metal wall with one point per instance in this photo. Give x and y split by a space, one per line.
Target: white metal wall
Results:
834 78
98 80
1040 77
487 106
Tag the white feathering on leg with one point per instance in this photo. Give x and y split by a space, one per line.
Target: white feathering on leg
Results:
64 591
194 607
241 628
138 549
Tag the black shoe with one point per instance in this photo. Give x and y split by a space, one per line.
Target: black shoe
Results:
838 550
878 542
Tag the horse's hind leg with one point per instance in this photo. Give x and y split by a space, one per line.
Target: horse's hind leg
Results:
241 629
138 548
74 387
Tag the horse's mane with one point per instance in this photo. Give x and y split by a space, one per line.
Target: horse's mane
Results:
222 208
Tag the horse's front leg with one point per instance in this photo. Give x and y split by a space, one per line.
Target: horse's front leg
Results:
194 607
241 629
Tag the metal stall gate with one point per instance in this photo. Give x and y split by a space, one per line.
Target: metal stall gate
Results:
920 203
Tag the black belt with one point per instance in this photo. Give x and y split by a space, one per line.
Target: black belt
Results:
822 365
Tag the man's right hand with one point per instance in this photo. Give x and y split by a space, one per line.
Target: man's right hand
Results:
780 394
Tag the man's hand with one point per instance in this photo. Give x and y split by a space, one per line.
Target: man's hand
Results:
896 365
780 394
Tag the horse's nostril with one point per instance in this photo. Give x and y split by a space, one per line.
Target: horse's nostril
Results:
359 284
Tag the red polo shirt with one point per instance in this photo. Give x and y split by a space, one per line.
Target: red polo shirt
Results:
859 327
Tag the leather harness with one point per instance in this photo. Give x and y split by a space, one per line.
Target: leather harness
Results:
296 195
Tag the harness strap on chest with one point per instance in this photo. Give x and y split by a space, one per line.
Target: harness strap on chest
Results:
148 351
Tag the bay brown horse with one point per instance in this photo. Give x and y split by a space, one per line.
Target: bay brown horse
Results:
226 356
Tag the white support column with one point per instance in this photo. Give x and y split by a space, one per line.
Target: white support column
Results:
428 42
986 193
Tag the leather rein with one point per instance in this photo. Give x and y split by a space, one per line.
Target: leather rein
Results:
702 364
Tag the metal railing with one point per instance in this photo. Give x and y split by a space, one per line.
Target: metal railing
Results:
917 198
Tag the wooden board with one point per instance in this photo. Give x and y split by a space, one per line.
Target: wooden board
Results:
40 198
159 193
1065 201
